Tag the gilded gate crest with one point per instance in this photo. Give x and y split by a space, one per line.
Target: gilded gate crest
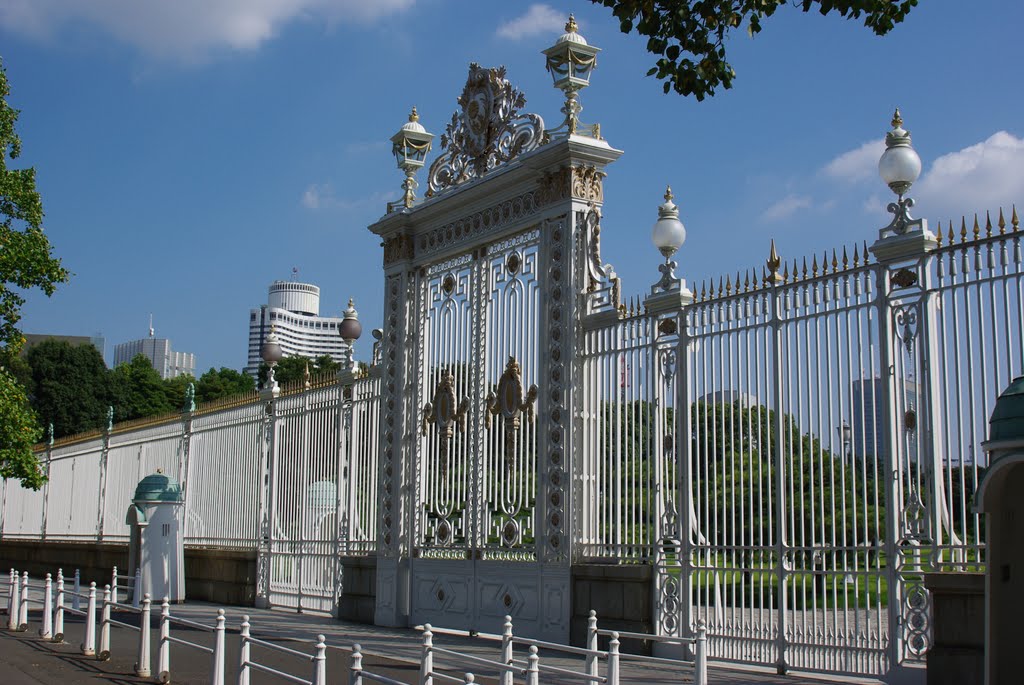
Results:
508 403
445 412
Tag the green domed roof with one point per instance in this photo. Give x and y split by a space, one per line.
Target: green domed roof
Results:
1007 421
157 487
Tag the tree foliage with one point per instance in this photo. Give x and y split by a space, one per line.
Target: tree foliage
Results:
25 263
137 391
220 383
293 369
70 386
689 36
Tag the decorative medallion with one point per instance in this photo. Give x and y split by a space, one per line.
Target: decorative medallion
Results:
904 278
509 404
444 413
398 248
513 263
488 131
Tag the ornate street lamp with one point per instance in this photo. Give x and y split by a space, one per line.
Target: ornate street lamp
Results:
570 61
899 167
668 235
410 147
350 329
846 436
271 353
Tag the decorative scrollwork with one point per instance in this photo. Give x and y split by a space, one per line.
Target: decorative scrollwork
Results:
905 319
488 131
445 412
508 403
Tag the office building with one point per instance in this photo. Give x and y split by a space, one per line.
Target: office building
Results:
168 363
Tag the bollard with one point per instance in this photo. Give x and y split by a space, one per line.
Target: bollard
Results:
163 664
613 660
533 667
137 589
243 653
46 632
104 654
427 657
700 661
12 608
470 679
23 604
142 665
218 651
357 666
506 651
89 646
592 644
58 611
76 599
320 662
113 582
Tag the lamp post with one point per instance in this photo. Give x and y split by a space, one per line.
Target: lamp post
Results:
570 61
899 167
668 235
410 147
350 329
271 353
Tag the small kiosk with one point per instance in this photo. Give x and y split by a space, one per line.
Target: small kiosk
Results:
156 544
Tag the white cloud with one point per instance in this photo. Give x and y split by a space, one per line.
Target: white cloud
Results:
857 164
786 207
186 30
539 19
321 196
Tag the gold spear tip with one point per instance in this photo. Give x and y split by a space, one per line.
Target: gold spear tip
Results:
897 120
414 115
571 26
668 194
351 302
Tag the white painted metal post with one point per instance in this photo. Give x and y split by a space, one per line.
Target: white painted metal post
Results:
320 662
142 666
533 667
700 661
137 590
58 611
89 645
113 583
506 651
613 660
427 657
357 666
76 600
23 604
105 626
470 679
15 598
243 653
46 632
217 677
163 662
592 644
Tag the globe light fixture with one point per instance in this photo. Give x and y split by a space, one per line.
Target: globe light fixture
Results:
410 147
571 61
668 235
899 167
271 353
350 329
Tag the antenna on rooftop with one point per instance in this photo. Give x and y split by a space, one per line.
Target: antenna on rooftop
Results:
295 273
151 333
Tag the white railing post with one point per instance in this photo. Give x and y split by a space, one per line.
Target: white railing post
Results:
357 665
506 651
23 604
592 657
613 660
15 598
76 600
46 632
217 677
533 667
427 657
470 679
142 666
58 611
243 653
320 662
700 657
89 645
163 662
137 590
113 583
105 626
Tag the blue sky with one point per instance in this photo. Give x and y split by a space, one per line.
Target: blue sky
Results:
191 152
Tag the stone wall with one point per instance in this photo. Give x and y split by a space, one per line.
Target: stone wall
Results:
957 654
620 594
360 594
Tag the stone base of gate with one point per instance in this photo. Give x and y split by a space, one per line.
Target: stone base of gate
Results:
957 654
359 589
621 594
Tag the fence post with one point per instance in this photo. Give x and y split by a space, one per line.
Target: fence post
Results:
76 600
217 677
58 611
105 626
89 645
23 604
46 632
700 663
427 658
613 660
470 679
506 651
163 663
592 644
357 665
320 662
142 666
137 590
243 653
533 667
113 583
15 598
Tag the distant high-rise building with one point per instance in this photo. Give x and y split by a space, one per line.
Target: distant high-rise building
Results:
868 415
97 341
293 309
168 364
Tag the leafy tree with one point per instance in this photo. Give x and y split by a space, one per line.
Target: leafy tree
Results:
293 369
217 384
69 385
689 35
137 391
174 389
25 263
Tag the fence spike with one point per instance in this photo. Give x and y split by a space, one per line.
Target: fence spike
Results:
846 259
773 262
1002 222
764 275
951 237
721 286
856 255
835 261
814 265
963 229
988 224
785 274
866 253
977 229
746 282
938 235
805 269
1013 219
